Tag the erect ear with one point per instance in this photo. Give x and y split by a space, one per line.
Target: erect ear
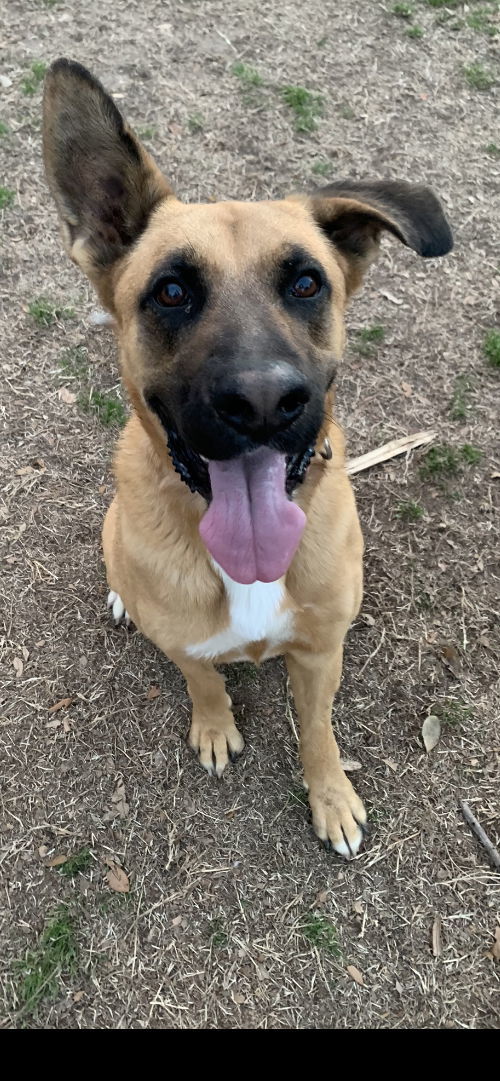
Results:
104 182
355 213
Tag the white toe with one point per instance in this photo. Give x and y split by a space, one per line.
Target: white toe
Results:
111 598
351 849
118 609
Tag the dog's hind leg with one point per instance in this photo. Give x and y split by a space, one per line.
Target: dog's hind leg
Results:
213 734
338 813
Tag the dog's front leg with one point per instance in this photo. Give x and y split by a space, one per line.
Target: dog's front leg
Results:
338 813
213 734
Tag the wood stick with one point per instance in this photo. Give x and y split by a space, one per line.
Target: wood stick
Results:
480 834
389 450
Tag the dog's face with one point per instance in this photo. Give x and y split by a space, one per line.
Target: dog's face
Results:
230 315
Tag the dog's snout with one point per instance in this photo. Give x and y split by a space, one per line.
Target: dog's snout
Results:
265 401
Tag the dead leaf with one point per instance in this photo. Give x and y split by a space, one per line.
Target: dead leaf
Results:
175 129
42 851
495 476
153 692
26 653
67 396
66 725
63 703
116 878
431 731
451 658
350 764
119 799
494 953
437 943
177 920
24 471
18 667
321 897
368 619
78 996
56 861
407 390
238 998
359 908
391 764
355 974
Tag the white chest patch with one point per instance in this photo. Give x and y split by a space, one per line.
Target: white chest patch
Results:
254 614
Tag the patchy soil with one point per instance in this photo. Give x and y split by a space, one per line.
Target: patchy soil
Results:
234 916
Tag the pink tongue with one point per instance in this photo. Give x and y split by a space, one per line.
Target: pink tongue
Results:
251 528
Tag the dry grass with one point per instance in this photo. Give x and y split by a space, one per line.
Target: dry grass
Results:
225 877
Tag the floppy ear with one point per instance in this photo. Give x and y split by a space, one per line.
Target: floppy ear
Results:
354 214
104 182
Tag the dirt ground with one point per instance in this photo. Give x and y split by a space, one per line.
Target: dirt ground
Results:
235 916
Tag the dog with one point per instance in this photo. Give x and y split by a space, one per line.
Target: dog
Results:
233 534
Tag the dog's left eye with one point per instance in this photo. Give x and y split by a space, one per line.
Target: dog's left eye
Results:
171 293
306 286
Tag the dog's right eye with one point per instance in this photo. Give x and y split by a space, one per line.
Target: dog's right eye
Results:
171 293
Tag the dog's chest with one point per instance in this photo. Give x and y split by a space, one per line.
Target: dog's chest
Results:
256 614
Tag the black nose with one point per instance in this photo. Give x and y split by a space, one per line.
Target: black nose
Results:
261 401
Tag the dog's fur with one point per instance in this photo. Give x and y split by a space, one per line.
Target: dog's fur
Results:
123 226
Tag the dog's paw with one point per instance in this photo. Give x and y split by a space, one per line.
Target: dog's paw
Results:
339 817
118 610
215 744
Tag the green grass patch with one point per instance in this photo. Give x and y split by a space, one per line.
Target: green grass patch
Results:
322 933
492 348
76 864
196 123
7 197
108 409
218 935
451 712
4 130
55 955
415 32
443 461
470 455
321 168
306 106
46 313
322 42
35 77
478 77
147 132
74 360
248 75
493 149
403 11
481 20
443 3
368 338
459 406
409 511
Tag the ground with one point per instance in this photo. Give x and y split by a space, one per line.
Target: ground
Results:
235 917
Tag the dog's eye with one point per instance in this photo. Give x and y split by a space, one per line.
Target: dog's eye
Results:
170 293
306 286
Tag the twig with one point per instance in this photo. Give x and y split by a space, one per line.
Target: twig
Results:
372 655
493 853
389 450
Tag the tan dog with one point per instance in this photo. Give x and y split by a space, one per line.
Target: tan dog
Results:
234 532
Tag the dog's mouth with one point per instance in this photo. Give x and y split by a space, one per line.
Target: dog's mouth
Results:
251 527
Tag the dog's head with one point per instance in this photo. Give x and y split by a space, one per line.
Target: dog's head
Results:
229 315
